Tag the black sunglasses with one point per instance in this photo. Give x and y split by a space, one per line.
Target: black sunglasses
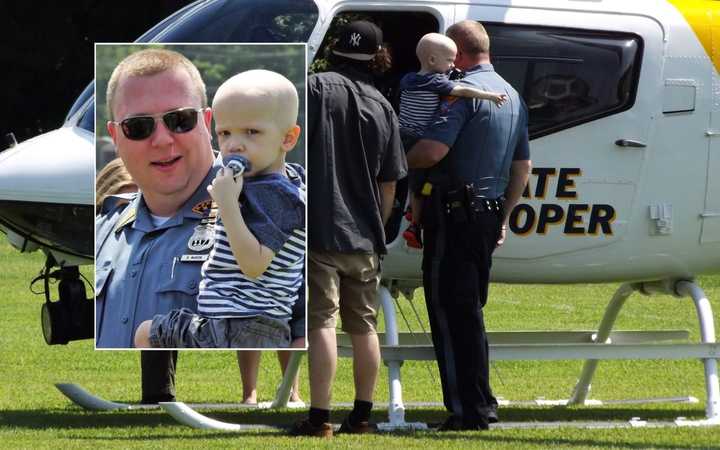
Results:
177 121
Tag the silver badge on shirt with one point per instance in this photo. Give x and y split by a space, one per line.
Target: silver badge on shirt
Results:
202 238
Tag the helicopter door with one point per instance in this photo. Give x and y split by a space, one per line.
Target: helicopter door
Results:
402 26
589 120
711 215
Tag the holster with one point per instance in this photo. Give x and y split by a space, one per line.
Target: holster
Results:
468 204
456 206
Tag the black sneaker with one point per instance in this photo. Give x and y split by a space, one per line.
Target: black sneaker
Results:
455 423
306 428
155 399
361 428
492 415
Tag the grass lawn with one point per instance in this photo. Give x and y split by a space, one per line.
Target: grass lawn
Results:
33 414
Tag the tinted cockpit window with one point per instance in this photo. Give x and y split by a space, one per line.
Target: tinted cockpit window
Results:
87 121
243 21
567 76
82 98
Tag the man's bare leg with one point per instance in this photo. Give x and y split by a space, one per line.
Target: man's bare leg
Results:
322 359
249 363
366 362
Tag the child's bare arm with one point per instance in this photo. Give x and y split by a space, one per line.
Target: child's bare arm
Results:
467 91
252 257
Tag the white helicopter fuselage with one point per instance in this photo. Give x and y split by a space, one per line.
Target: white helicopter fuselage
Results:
632 194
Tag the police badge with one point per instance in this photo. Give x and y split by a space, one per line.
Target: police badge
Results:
202 238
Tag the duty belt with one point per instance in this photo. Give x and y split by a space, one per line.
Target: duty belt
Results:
482 204
467 203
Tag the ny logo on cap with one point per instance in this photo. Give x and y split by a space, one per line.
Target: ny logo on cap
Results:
355 39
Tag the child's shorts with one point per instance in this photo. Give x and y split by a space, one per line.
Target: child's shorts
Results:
298 319
181 328
416 177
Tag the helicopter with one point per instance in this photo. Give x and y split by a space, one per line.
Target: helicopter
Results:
624 125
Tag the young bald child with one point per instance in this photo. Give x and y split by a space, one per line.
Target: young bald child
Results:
419 99
252 276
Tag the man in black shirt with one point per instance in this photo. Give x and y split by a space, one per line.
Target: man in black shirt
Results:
355 158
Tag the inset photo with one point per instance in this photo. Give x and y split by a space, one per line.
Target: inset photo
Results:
200 196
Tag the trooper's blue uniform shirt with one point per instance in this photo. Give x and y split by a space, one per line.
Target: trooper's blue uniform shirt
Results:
478 156
457 256
143 269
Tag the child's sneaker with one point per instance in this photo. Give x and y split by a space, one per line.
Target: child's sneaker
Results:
413 236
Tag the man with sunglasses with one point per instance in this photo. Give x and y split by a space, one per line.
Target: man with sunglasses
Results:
149 252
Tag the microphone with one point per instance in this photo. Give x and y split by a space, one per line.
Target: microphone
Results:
237 163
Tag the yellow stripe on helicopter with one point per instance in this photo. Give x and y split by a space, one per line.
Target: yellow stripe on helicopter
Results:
703 16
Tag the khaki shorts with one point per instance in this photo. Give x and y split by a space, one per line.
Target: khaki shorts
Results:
345 282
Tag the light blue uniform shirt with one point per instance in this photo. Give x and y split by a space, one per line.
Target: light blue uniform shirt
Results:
484 140
142 269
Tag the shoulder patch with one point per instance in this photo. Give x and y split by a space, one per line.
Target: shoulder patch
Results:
112 202
446 102
128 216
202 207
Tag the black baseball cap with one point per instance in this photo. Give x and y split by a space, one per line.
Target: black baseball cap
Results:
359 40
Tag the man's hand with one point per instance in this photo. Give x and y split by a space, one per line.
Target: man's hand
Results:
519 174
225 189
503 235
499 99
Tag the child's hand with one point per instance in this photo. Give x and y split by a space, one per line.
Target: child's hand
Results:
225 189
499 99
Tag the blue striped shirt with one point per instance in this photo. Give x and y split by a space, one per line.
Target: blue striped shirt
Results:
273 208
419 100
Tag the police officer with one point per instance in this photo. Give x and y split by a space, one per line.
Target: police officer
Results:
480 163
149 252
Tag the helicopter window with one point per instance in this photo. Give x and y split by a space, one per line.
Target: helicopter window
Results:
87 121
242 21
399 39
82 98
567 76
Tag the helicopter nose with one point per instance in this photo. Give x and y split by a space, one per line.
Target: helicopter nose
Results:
47 191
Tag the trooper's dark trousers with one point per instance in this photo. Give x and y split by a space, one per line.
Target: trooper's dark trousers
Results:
158 375
456 270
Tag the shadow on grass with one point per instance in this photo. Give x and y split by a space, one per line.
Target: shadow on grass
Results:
561 414
70 418
80 422
564 414
81 419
